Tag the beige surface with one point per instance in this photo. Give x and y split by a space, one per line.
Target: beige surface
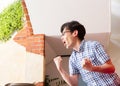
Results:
114 51
114 48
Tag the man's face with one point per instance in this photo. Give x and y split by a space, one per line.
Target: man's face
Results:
67 38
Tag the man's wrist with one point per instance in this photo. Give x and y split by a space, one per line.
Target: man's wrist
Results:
96 68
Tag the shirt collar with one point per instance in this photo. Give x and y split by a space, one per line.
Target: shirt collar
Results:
81 48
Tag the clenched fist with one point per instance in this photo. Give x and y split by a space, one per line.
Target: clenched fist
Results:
58 62
86 64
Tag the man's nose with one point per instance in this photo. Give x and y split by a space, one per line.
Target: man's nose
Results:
62 38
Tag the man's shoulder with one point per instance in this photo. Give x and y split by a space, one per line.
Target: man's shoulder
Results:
91 41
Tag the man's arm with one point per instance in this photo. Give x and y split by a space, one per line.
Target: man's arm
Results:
107 67
71 80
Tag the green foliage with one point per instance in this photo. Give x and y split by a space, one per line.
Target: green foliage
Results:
11 20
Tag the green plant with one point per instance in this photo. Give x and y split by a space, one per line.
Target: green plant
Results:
11 20
56 81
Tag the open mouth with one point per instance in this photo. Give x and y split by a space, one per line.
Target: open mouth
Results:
64 42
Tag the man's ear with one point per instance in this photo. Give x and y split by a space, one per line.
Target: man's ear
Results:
75 33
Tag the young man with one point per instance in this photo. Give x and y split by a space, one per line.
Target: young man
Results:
88 59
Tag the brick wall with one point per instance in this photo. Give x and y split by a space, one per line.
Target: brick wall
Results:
34 43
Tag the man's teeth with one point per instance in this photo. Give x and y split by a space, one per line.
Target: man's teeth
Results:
67 46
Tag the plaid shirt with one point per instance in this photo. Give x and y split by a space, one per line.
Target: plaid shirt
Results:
95 52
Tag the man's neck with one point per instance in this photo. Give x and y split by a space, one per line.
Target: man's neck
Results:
77 45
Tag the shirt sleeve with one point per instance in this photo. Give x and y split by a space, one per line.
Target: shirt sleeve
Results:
101 55
72 67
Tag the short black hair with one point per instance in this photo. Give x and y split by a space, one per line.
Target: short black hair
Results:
75 25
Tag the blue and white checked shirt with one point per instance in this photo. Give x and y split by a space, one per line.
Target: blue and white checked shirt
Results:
95 52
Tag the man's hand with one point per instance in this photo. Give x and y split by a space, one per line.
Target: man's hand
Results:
86 64
58 62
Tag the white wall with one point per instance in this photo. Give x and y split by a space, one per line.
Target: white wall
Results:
5 3
19 66
115 17
115 34
34 68
47 16
12 63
